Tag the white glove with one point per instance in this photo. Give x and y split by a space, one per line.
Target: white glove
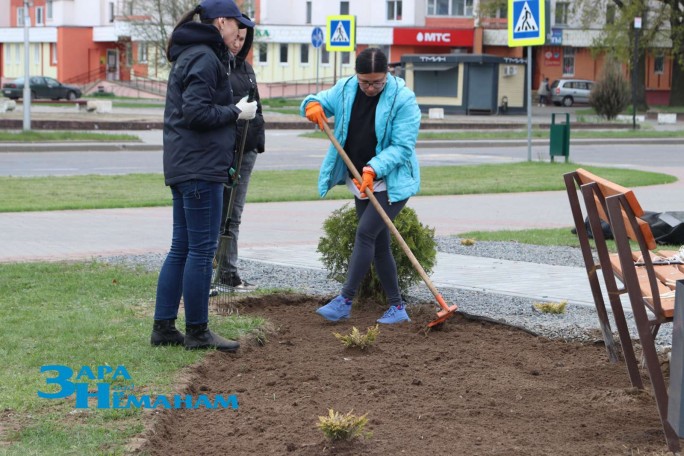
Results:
248 109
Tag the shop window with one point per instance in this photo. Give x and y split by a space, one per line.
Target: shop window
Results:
394 10
568 61
283 52
562 9
659 64
304 54
262 49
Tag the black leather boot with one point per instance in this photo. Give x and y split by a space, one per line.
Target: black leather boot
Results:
164 332
199 336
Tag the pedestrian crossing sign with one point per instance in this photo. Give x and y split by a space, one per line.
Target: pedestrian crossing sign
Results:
341 33
526 24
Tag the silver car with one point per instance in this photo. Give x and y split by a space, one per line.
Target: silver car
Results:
567 92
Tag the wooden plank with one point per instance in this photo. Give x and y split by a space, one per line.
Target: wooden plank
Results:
666 301
609 188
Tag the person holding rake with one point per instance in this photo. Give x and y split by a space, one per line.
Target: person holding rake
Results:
376 120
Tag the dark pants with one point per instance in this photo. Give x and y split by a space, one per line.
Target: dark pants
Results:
372 244
188 267
233 228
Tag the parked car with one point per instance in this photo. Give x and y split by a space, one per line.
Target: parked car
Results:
41 87
567 92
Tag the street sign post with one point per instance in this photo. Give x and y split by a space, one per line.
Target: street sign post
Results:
527 27
317 38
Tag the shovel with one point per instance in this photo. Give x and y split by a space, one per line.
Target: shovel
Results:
223 250
446 311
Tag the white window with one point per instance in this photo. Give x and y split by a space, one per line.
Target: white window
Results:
129 54
562 13
49 5
659 64
17 53
20 17
568 61
308 12
36 53
53 52
262 52
450 8
142 52
40 20
304 54
283 52
394 10
111 11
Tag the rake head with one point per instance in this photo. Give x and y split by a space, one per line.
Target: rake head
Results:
444 314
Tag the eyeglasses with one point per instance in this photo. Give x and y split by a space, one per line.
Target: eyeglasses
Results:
374 84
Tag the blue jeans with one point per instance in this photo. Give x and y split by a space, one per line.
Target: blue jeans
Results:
188 267
233 228
373 245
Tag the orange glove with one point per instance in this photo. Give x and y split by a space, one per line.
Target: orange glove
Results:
367 180
314 112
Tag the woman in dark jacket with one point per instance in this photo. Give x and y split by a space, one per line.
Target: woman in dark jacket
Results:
242 79
199 138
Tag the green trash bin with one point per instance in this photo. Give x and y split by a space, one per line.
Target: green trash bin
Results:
559 138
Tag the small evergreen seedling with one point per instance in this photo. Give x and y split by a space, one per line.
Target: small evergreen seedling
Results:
357 340
336 426
551 307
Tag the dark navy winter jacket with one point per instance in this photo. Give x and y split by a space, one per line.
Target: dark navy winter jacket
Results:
241 79
200 115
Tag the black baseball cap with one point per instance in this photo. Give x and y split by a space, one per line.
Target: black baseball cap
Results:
211 9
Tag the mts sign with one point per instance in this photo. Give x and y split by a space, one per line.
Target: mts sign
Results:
434 37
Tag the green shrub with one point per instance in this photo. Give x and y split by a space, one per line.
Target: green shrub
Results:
610 95
338 242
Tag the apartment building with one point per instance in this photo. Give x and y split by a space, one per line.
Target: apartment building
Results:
72 40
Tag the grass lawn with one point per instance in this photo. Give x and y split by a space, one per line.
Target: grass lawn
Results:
42 136
75 315
145 190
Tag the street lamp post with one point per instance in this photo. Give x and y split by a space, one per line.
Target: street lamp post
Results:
635 60
27 85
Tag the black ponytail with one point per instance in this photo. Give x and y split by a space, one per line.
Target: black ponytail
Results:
371 60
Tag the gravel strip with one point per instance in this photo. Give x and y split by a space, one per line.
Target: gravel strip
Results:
578 323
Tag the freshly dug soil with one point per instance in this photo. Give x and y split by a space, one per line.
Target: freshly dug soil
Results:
470 388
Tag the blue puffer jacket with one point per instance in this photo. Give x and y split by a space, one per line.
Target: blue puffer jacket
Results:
397 120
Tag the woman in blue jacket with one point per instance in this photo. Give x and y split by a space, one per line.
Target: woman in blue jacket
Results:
377 120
